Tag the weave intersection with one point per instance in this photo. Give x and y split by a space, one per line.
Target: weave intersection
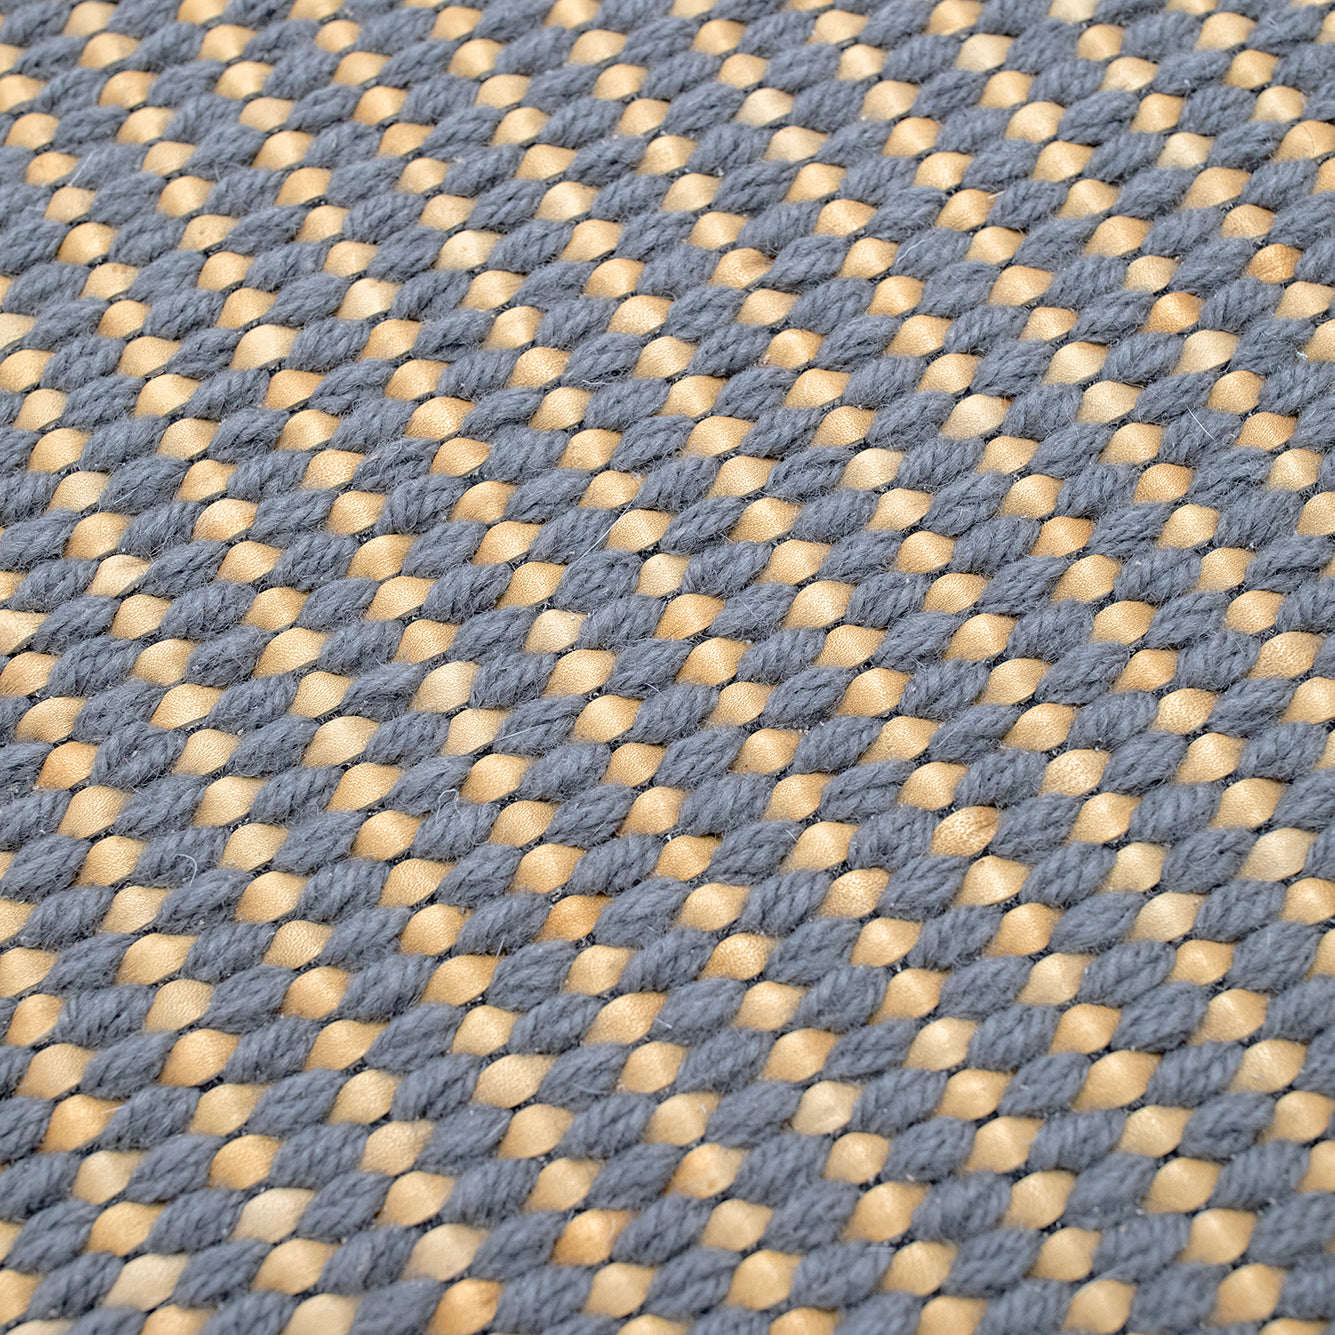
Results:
667 667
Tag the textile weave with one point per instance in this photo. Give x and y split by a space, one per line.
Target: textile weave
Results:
668 667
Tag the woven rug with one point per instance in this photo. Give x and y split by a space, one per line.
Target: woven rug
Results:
668 667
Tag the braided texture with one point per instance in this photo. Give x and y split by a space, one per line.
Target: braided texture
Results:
668 667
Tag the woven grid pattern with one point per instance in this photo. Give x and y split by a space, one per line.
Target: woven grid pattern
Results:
668 667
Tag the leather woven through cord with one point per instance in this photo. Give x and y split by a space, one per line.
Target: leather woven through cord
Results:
669 667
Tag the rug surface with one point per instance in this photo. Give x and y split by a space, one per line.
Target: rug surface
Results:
668 667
